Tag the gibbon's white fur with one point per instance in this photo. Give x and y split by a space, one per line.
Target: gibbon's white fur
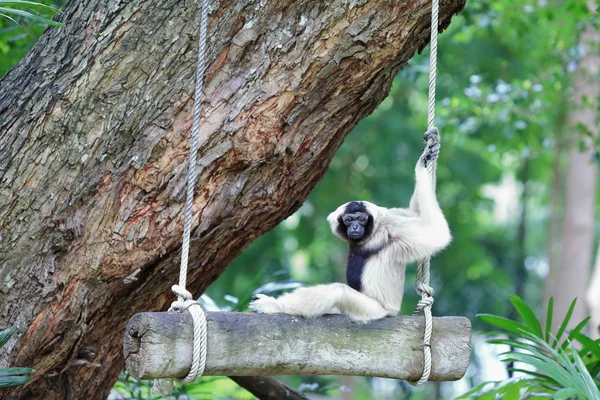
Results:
398 236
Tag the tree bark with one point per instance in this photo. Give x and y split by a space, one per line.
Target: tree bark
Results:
159 345
94 125
581 182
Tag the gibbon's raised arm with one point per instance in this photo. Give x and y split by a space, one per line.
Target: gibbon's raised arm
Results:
426 231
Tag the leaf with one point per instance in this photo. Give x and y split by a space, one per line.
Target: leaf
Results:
511 392
592 392
28 15
594 368
492 390
580 325
555 369
10 381
589 345
509 342
582 128
15 371
527 314
575 375
564 324
6 334
549 319
529 346
11 19
565 393
503 323
551 362
34 4
532 373
574 332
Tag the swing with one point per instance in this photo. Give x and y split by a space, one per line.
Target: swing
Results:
187 345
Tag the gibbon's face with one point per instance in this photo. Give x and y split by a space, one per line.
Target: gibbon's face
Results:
356 223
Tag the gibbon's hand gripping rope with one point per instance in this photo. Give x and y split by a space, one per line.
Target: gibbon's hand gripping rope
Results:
184 298
422 279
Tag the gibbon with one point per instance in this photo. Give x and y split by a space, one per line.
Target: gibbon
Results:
382 241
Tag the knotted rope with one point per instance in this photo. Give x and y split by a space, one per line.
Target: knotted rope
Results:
422 279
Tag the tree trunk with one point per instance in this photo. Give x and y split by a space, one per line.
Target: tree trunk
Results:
581 181
555 219
593 299
520 272
94 124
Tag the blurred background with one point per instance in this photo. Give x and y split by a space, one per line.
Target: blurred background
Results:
518 114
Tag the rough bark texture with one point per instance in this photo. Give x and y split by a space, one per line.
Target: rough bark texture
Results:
581 182
159 345
94 124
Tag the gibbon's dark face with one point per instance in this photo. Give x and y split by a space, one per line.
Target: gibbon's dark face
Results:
356 223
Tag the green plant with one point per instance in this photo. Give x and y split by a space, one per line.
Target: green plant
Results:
208 387
12 376
558 368
28 10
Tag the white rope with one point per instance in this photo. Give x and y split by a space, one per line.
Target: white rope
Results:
184 298
432 64
423 276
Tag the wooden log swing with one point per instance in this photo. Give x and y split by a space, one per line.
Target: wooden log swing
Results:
189 343
159 345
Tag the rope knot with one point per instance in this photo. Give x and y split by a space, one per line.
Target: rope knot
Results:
184 298
181 293
424 289
423 304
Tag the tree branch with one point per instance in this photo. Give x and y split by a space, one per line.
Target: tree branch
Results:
267 388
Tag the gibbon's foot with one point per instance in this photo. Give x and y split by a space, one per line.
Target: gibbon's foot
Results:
264 304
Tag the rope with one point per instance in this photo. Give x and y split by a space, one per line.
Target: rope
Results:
184 298
423 275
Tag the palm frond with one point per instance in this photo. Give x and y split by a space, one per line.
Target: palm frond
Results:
557 370
28 10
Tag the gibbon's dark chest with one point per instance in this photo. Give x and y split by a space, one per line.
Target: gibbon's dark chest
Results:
357 260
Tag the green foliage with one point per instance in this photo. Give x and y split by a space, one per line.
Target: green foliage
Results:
22 22
552 364
14 376
503 88
208 388
27 10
